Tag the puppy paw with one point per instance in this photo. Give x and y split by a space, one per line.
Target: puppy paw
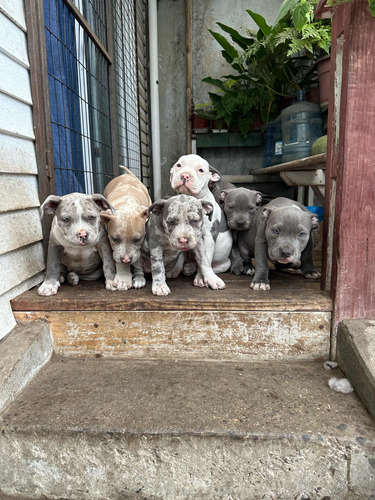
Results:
249 270
139 282
160 289
199 281
49 287
237 269
173 273
312 275
215 283
122 283
73 278
260 286
109 285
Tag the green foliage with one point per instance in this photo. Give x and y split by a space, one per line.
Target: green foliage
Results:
269 64
371 4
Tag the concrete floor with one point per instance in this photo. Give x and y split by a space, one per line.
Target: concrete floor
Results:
107 429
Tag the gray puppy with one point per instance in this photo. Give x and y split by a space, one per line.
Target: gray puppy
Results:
78 245
239 205
176 226
280 232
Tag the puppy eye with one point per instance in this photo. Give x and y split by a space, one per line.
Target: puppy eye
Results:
230 206
201 171
275 231
178 165
66 219
136 240
115 239
195 221
170 222
251 209
91 217
302 234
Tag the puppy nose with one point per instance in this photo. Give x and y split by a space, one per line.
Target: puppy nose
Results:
125 259
183 240
82 234
286 252
185 176
240 224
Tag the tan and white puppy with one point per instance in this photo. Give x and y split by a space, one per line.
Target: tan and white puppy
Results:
126 230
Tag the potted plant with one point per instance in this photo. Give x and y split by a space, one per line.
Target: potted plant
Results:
269 64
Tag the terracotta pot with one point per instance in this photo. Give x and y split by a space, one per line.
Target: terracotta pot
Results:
219 125
313 96
324 75
200 125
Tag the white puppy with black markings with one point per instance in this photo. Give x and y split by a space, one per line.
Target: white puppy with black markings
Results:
192 175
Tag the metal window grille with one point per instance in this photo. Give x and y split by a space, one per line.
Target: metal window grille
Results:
125 56
79 82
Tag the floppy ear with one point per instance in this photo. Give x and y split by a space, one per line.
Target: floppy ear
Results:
215 174
266 213
223 195
106 216
208 208
102 203
314 222
144 214
258 198
156 208
50 205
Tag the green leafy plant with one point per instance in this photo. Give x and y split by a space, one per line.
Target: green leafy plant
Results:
269 64
371 4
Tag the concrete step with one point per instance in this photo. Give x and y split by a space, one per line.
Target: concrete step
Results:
356 356
22 353
292 321
90 429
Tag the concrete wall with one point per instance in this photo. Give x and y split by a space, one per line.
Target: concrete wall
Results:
206 61
21 251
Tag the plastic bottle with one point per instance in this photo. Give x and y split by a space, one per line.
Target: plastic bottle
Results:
301 125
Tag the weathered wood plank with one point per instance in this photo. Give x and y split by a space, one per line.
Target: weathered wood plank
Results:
21 227
16 117
308 163
18 192
17 155
20 265
13 40
211 335
15 81
289 292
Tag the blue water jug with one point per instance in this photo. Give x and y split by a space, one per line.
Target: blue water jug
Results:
301 125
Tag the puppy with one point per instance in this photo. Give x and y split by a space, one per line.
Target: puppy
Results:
78 245
127 229
280 232
176 226
193 176
239 205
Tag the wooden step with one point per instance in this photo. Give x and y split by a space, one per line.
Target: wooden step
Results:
292 320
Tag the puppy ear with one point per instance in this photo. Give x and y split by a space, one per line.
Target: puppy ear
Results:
223 195
208 208
156 208
102 203
215 174
144 214
258 197
106 216
266 213
50 205
314 222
